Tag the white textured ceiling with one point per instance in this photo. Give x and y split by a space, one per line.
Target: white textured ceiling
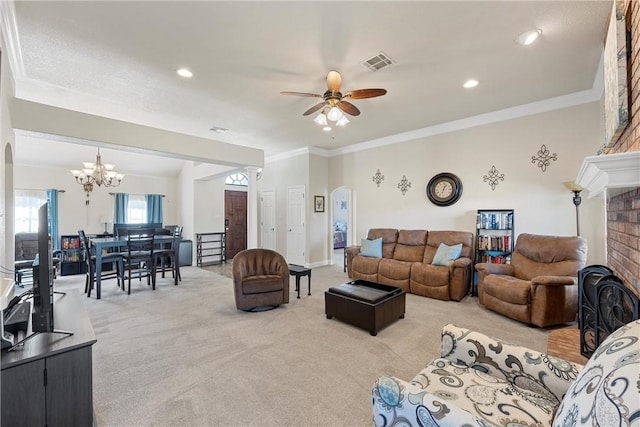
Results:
118 59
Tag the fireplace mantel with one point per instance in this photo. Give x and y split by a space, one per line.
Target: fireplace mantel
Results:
610 174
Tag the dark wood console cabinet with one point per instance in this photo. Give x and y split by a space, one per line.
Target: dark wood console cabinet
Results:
49 381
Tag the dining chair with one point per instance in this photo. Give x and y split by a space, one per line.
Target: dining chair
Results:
90 262
168 258
140 258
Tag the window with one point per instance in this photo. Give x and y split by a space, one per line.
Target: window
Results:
136 209
237 179
27 204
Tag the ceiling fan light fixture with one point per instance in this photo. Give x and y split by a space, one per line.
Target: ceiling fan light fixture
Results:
528 37
343 121
321 119
335 114
327 128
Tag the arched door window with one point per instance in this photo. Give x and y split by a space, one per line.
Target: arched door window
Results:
239 179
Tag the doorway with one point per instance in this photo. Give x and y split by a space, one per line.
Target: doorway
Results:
342 222
235 207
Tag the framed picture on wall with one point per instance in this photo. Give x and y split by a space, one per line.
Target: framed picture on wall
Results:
318 203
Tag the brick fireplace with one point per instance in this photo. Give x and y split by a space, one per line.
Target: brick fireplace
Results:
619 183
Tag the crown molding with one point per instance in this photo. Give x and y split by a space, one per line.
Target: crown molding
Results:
295 153
546 105
11 39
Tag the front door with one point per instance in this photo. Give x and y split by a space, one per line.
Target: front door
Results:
235 206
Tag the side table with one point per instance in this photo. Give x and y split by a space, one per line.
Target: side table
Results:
298 271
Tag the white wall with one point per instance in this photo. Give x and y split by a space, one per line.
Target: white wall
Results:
7 153
542 204
279 175
340 197
74 214
319 246
208 207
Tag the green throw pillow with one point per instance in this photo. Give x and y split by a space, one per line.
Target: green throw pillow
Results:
446 254
371 248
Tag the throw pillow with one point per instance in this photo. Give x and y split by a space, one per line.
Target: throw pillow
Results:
371 248
446 254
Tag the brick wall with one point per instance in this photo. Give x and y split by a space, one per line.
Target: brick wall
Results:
623 211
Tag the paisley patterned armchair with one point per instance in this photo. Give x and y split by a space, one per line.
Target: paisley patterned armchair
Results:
482 381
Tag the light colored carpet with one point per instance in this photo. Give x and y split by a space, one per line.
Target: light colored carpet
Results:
184 356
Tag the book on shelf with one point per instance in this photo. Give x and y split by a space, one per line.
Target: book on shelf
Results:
495 220
494 243
495 259
70 243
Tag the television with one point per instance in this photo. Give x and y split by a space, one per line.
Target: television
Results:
42 316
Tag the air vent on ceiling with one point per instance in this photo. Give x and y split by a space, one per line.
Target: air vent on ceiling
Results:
379 61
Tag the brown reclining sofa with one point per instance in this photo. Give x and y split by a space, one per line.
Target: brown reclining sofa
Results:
406 262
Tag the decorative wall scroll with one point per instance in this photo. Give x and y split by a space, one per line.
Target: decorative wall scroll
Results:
404 185
378 178
543 158
493 177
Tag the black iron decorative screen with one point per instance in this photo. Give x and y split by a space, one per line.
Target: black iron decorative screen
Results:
604 305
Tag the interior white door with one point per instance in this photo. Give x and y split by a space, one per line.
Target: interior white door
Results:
296 241
268 216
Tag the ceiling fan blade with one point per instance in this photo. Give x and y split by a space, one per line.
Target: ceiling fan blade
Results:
365 93
314 95
348 108
314 109
334 80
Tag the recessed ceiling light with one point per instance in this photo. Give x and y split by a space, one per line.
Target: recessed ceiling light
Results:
470 83
528 37
183 72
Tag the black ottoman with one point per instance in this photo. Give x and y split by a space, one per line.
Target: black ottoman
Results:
368 305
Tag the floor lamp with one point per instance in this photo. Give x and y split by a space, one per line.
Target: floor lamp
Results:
575 189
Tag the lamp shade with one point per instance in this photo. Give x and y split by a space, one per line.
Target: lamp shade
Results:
572 186
321 119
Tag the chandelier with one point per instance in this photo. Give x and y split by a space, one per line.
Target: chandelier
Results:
97 173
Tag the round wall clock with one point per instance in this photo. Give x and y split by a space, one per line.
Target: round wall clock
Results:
444 189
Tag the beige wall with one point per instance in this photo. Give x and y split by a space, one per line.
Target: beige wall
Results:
318 231
74 214
541 202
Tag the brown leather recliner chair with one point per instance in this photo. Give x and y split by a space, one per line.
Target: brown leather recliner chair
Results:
540 286
260 279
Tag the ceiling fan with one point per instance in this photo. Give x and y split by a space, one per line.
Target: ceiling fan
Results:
334 99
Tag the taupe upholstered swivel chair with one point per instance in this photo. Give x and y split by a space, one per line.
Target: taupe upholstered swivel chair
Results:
540 286
260 279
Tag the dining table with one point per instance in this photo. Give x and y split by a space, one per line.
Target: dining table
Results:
101 245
